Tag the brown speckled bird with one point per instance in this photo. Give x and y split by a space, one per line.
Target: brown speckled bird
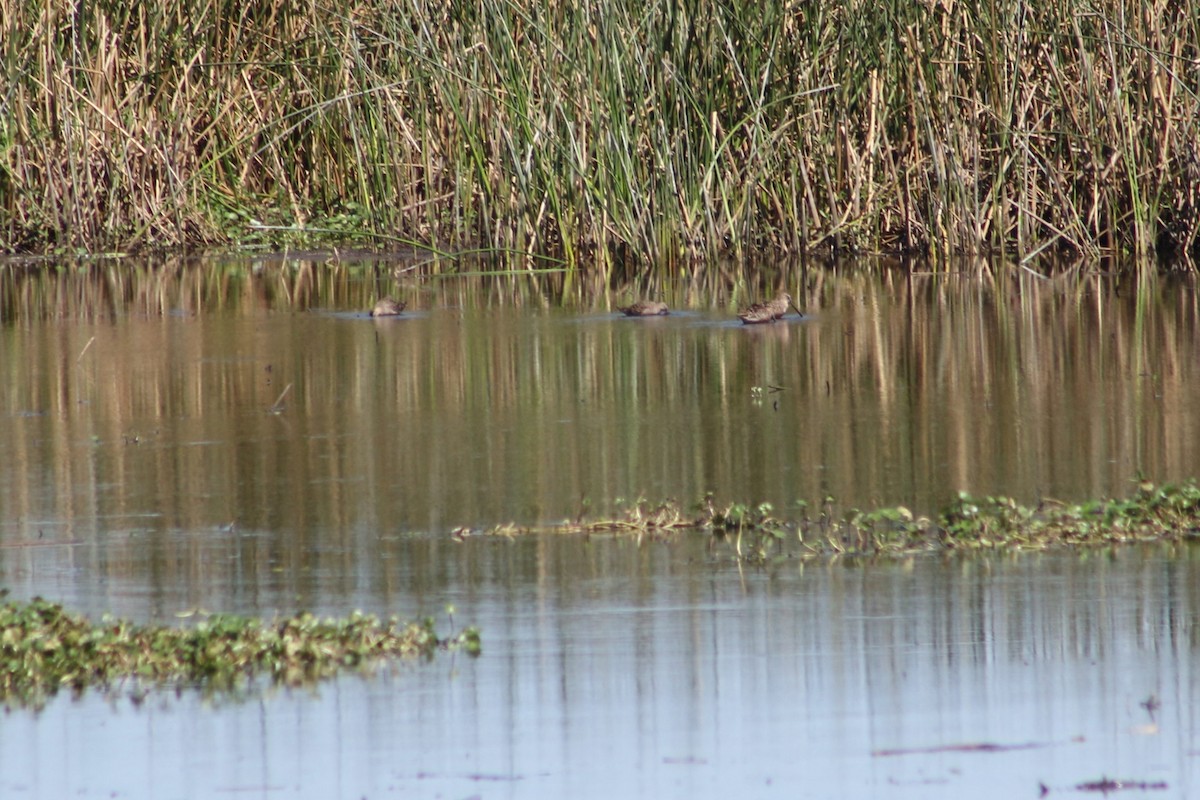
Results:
644 308
387 307
768 311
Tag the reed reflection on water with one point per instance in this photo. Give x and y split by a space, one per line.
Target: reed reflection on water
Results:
145 394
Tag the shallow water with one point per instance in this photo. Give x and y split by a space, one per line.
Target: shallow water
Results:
480 407
613 669
146 475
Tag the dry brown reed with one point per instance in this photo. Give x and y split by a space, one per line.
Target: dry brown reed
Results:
605 131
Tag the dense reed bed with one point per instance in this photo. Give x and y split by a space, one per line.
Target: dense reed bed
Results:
593 132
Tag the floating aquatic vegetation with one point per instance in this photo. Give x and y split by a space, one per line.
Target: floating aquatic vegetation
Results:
758 533
640 518
43 648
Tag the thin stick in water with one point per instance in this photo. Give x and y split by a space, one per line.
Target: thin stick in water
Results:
278 407
85 349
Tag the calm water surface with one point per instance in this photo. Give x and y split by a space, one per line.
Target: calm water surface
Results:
612 669
144 476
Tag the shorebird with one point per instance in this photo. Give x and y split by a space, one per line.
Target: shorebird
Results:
387 307
768 311
644 308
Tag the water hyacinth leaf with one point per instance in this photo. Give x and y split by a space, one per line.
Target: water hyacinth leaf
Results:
44 648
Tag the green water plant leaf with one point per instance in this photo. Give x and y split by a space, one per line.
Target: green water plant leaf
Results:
43 648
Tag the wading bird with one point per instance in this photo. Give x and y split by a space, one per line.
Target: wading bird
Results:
768 311
644 308
387 307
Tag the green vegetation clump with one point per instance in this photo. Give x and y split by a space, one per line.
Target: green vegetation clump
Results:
596 131
1155 512
44 648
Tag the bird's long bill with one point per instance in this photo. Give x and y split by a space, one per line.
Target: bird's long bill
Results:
796 308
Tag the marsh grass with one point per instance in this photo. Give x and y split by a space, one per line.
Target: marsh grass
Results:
44 648
603 132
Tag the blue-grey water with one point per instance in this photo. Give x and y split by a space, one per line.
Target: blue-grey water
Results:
612 669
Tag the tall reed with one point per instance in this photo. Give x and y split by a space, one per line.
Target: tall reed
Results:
594 131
